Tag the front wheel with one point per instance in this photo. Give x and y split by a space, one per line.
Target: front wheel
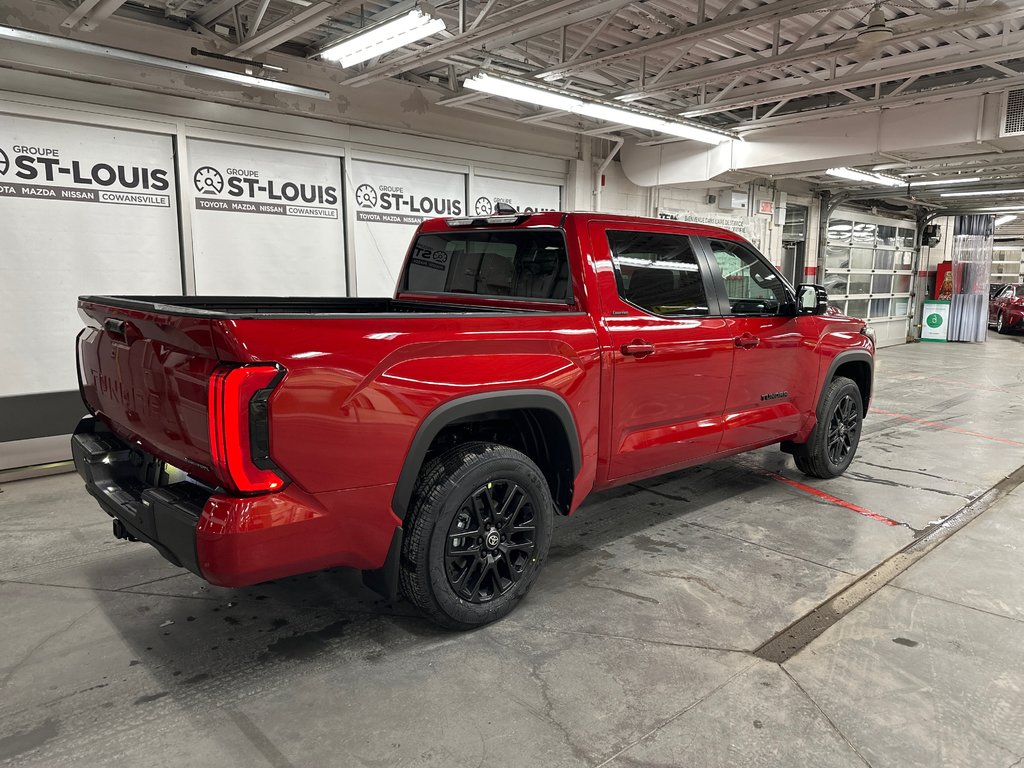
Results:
1001 324
477 534
833 443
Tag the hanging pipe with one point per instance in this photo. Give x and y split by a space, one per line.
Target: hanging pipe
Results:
601 169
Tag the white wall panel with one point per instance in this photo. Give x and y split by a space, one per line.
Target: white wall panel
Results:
389 202
265 221
85 209
488 191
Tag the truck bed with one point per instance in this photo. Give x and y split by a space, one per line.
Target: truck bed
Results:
267 307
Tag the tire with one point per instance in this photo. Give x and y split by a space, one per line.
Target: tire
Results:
460 583
833 443
1001 324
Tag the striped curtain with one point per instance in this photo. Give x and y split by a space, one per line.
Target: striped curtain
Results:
972 263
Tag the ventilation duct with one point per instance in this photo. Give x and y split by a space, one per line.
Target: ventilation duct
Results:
1013 113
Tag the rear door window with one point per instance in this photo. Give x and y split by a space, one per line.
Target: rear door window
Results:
518 264
658 272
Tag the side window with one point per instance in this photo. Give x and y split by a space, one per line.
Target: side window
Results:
752 287
658 272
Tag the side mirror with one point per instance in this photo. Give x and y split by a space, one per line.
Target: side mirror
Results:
811 299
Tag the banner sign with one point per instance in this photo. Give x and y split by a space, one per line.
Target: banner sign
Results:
752 228
41 170
289 240
525 196
390 201
55 249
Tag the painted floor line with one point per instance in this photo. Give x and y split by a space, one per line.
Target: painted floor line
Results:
947 427
830 498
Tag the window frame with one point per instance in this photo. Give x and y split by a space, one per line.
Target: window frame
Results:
723 292
703 269
570 301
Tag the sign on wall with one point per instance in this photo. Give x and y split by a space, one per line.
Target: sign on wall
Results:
526 196
390 201
752 228
265 221
86 210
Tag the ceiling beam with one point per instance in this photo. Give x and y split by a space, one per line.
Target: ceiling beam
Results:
540 19
718 26
210 13
88 15
895 69
903 100
291 26
794 54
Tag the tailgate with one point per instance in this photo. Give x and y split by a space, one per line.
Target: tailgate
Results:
146 375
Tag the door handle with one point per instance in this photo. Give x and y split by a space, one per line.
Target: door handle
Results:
747 341
121 330
638 348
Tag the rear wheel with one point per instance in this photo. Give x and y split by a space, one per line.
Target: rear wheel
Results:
833 443
477 534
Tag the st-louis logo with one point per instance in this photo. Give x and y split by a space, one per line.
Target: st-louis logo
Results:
208 181
366 196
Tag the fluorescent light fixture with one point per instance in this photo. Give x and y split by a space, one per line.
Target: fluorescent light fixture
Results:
852 174
384 37
984 193
552 99
621 116
1004 220
944 182
542 97
996 209
91 49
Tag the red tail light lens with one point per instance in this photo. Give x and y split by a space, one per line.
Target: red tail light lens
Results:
239 428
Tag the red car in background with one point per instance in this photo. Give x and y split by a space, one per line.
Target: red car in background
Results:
1006 308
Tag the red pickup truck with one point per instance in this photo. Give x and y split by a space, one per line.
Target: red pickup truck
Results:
525 361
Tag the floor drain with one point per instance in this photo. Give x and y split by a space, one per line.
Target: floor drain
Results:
808 627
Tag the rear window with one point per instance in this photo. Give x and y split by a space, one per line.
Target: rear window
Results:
518 264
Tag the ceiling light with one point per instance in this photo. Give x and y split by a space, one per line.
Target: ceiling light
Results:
944 182
1004 220
876 30
542 97
384 37
984 193
617 115
76 46
552 99
852 174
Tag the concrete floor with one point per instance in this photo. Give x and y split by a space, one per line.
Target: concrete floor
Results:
634 648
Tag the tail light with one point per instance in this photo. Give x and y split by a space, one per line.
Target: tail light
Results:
240 427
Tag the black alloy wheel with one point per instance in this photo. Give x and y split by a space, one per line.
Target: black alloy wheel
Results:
491 541
834 439
476 534
843 429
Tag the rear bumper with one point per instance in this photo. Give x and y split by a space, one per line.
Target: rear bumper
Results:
165 517
234 541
